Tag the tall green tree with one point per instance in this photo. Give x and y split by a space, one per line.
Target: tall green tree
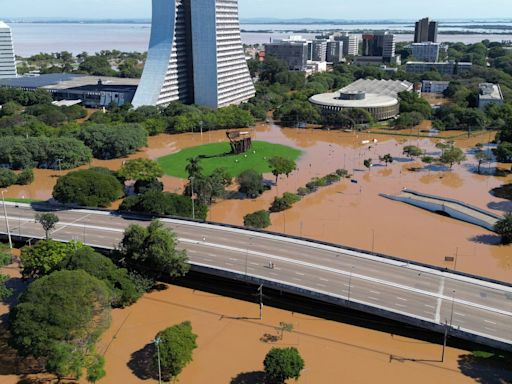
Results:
43 258
141 170
281 166
282 364
48 221
59 318
504 228
176 345
452 156
153 250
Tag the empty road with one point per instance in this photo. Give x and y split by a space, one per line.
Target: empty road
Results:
478 307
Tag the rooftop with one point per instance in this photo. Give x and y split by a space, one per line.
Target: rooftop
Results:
371 100
380 87
60 81
489 91
3 25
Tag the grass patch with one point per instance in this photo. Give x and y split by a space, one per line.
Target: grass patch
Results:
22 201
217 155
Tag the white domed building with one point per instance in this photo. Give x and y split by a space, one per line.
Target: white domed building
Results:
378 97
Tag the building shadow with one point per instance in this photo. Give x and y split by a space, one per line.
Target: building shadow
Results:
256 377
489 369
141 363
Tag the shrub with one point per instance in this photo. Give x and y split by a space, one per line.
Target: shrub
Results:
26 177
251 183
259 219
302 191
342 173
7 178
280 204
332 178
88 188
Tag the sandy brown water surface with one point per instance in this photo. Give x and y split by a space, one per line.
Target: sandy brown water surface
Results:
354 214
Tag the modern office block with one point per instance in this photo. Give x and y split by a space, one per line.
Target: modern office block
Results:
380 44
295 51
350 43
444 68
195 55
7 58
319 50
425 30
334 52
428 51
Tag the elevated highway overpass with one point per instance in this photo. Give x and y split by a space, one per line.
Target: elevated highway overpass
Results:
471 308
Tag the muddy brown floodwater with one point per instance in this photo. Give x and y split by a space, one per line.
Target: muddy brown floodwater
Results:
354 214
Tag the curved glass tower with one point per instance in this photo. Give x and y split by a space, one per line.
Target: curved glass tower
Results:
195 55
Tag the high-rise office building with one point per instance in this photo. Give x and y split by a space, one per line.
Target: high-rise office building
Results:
350 43
7 58
425 30
296 51
319 50
334 51
195 55
379 44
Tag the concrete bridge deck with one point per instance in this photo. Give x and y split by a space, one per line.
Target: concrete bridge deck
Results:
468 307
450 207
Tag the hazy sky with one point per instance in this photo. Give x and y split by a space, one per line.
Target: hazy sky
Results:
334 9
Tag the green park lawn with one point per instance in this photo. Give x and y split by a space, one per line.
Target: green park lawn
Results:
217 156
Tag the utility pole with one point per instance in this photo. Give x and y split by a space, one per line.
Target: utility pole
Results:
456 257
157 342
260 290
192 197
444 341
7 221
60 166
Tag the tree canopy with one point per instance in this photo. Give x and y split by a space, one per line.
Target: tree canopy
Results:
89 188
153 250
176 345
282 364
141 170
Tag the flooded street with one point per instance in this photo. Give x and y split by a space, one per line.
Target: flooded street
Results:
354 214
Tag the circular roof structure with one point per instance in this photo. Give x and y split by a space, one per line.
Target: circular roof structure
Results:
344 100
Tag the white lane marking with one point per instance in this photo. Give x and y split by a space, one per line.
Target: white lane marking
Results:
273 274
321 278
192 251
296 279
233 259
429 306
373 298
229 264
401 299
490 329
275 237
251 269
439 301
459 314
321 285
300 273
490 322
375 292
252 263
401 305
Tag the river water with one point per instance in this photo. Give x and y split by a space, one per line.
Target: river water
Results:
32 38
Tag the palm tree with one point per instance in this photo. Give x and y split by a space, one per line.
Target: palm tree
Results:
194 168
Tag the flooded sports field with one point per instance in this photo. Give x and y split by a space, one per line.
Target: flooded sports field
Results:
353 213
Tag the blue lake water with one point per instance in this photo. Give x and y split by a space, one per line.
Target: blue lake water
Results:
32 38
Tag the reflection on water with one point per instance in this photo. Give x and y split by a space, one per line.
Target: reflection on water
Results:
352 213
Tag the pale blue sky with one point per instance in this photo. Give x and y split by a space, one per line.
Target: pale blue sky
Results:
333 9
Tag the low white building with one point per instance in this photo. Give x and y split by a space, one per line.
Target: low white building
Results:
429 86
7 58
489 94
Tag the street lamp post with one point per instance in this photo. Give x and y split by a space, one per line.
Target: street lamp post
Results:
192 197
60 166
157 342
7 221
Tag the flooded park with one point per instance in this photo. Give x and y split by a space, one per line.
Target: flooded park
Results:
353 213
